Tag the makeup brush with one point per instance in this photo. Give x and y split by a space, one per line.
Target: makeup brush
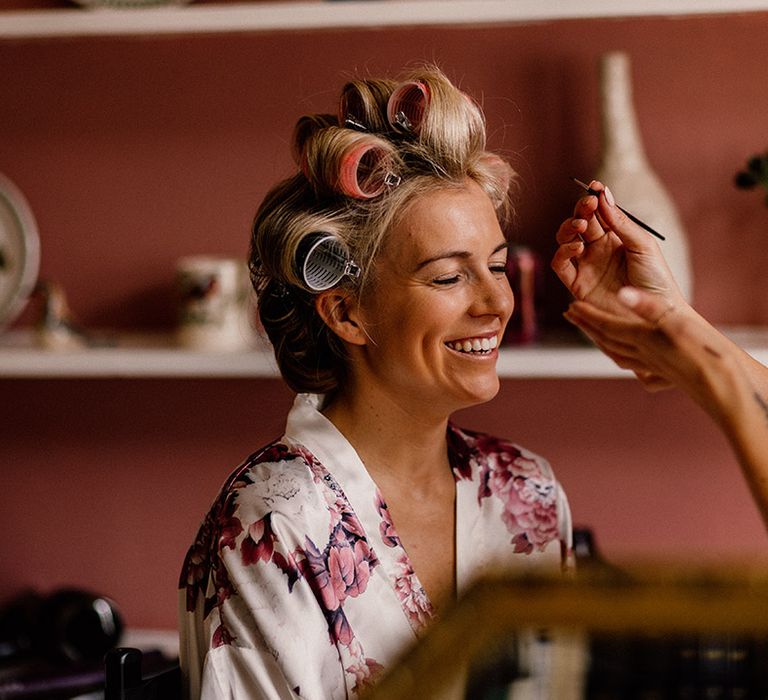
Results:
642 224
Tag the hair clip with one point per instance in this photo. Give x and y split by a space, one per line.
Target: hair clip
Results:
280 289
353 123
407 105
402 121
392 179
323 261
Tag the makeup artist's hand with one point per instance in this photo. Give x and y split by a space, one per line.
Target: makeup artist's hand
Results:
601 250
665 345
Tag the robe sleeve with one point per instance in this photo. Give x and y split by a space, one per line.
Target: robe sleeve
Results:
256 628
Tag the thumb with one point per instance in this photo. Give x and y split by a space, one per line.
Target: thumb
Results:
649 306
627 230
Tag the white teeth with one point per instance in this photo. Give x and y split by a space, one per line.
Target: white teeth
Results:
475 345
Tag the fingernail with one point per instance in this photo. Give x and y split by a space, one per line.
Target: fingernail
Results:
629 296
596 185
609 197
576 223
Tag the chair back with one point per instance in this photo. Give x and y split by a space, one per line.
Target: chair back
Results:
132 675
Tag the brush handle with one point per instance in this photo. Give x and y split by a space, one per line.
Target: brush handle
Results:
632 217
642 224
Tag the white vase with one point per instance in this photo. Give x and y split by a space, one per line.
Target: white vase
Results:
626 170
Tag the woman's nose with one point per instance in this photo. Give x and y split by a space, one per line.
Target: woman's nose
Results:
494 296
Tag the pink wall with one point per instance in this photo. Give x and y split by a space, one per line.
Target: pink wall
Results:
136 151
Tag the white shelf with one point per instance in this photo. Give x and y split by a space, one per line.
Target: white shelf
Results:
131 356
277 16
156 356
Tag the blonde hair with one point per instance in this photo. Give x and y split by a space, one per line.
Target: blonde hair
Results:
358 171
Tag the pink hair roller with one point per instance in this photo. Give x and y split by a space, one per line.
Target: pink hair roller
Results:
366 157
407 105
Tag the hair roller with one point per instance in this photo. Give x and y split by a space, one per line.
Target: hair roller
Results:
445 121
351 163
365 170
323 260
408 105
362 105
305 129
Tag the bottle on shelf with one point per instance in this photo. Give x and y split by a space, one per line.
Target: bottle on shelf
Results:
626 170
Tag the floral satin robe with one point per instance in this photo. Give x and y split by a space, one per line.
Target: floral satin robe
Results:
298 585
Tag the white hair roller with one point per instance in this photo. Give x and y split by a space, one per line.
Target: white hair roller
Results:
323 261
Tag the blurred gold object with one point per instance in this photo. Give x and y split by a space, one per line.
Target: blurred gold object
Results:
659 603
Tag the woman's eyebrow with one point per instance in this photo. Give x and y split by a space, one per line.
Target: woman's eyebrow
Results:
443 256
463 254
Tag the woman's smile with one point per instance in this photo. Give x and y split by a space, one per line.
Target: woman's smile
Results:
483 345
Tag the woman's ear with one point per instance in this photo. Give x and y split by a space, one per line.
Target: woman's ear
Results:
340 312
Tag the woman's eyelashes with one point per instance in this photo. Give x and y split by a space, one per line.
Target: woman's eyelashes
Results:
444 281
497 269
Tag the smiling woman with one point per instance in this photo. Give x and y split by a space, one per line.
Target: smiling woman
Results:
380 273
439 300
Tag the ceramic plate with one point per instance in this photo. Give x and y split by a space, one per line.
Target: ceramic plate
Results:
19 251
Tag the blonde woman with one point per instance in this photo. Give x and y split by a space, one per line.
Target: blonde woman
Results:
380 272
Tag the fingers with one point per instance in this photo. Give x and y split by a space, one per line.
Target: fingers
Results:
613 335
632 235
563 262
651 307
620 354
653 382
583 225
571 230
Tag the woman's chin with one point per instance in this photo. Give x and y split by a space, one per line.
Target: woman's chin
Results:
480 393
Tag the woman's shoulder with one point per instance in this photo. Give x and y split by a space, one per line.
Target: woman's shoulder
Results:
272 477
472 450
273 486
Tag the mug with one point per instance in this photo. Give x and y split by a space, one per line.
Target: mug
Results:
215 304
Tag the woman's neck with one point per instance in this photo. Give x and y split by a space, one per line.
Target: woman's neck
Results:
392 438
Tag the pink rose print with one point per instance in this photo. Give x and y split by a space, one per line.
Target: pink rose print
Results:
412 596
366 672
386 528
529 497
222 527
221 636
341 571
410 592
259 543
530 505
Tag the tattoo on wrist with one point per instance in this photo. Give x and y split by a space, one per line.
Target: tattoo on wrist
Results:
762 403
